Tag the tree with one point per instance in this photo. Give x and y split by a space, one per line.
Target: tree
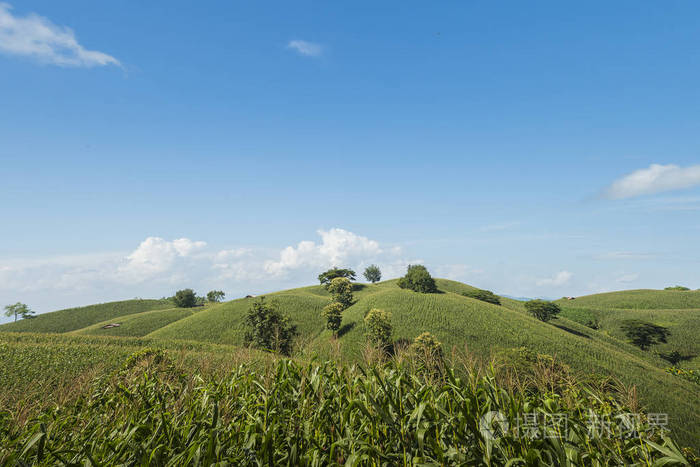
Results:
19 309
215 296
326 277
269 328
341 291
484 296
542 309
418 279
644 334
678 288
378 328
185 298
333 312
373 274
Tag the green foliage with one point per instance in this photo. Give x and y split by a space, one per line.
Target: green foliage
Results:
268 328
378 327
428 352
341 290
333 313
644 334
185 298
373 274
326 277
19 309
542 309
323 415
418 279
678 288
483 295
691 375
215 296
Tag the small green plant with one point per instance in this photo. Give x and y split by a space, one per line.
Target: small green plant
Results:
542 309
483 295
418 279
326 277
378 328
215 296
333 313
185 298
268 328
373 274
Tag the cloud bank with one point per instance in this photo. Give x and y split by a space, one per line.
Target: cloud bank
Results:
654 179
38 38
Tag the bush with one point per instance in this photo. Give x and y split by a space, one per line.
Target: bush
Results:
644 334
542 309
215 296
185 298
373 274
333 312
341 290
678 288
268 328
326 277
484 296
378 328
418 279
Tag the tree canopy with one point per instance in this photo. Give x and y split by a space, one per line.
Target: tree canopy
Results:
185 298
542 309
215 296
326 277
373 273
19 310
418 279
269 328
484 296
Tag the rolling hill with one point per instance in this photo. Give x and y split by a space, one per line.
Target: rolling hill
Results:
463 325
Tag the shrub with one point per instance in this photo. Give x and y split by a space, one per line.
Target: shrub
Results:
644 334
373 274
326 277
418 279
341 291
333 312
678 288
484 296
215 296
542 309
185 298
268 328
378 327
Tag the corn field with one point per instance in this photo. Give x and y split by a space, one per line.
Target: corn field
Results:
151 413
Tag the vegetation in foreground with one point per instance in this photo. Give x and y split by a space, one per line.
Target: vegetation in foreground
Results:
150 412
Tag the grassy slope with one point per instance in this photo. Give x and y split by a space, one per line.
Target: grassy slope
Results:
677 311
139 324
77 318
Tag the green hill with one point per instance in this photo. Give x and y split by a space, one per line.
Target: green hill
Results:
464 326
81 317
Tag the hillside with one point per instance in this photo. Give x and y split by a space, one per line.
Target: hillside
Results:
464 325
78 318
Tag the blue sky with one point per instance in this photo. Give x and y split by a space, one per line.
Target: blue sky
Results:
533 148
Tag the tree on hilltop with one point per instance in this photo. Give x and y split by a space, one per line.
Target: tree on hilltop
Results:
215 296
542 309
185 298
418 279
373 274
326 277
19 309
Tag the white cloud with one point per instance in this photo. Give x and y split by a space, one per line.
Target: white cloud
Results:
654 179
557 280
626 278
37 37
156 256
338 247
309 49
